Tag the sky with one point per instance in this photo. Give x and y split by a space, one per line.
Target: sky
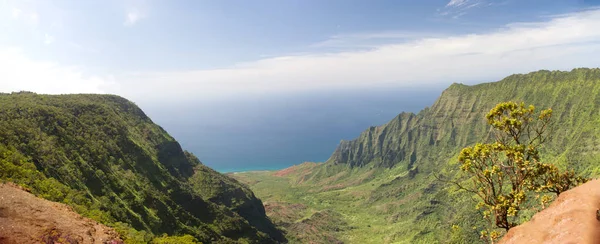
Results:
156 51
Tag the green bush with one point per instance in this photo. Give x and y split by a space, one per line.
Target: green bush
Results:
185 239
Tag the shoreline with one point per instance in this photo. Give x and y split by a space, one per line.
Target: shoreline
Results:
266 170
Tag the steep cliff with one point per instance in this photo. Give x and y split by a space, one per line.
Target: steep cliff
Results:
456 120
104 156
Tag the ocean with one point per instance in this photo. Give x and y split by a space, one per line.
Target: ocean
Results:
275 132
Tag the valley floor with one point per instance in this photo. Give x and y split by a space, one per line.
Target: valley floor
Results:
338 209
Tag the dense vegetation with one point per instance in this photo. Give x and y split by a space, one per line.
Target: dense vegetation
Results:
102 155
383 182
506 174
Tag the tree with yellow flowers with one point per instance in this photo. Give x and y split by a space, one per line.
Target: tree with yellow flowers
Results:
507 172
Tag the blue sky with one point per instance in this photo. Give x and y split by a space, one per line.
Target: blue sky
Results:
152 51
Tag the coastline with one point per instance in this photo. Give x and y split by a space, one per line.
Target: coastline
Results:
253 169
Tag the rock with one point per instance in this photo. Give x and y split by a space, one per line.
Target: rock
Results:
25 218
571 218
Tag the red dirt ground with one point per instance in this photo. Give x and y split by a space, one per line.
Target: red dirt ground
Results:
571 218
25 218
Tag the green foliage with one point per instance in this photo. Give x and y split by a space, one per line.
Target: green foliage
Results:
185 239
551 179
237 197
102 155
507 172
16 168
504 171
131 235
312 221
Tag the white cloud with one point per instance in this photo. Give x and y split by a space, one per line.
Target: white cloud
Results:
457 8
34 17
560 43
466 3
371 40
136 10
456 3
18 72
48 39
16 13
82 48
28 16
132 17
472 5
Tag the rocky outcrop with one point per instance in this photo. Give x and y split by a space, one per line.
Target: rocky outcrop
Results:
25 218
571 218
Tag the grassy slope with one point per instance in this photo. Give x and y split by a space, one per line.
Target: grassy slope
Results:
104 156
382 181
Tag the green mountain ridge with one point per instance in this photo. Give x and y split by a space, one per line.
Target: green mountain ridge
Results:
456 117
383 181
102 155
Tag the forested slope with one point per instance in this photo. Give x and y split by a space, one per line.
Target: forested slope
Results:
104 156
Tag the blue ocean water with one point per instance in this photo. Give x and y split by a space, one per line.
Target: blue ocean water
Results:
275 132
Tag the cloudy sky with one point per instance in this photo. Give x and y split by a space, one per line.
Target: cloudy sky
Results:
152 50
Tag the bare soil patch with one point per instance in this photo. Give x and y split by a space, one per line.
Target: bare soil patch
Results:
25 218
571 218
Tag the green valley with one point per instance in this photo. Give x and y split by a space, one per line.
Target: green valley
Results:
384 187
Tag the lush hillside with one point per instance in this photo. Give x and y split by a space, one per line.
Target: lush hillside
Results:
102 155
382 182
456 119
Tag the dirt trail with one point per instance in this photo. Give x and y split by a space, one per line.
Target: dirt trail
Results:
570 219
25 218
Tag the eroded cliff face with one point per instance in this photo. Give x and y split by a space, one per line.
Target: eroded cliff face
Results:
571 218
456 120
381 145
